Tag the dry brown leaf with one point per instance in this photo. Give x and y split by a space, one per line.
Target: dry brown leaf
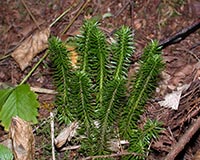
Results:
66 134
73 55
22 139
138 23
197 155
172 100
30 47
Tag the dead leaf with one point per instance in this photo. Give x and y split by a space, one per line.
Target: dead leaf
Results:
115 145
73 55
30 47
172 100
197 155
22 139
66 134
138 23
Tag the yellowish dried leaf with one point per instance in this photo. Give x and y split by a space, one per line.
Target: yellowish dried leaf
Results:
73 55
30 47
22 138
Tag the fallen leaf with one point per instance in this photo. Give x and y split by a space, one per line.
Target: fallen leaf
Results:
115 145
138 23
73 55
172 100
66 134
30 47
22 138
197 155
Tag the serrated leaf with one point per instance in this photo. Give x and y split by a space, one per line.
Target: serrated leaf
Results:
5 153
21 102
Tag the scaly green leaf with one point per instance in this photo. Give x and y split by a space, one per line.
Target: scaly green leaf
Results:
62 72
113 101
141 139
144 85
122 51
83 108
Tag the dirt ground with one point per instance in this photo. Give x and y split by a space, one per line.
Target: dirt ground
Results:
150 19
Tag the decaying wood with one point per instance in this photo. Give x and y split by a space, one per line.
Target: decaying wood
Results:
178 147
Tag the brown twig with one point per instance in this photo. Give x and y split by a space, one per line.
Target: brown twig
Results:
178 147
122 9
180 35
29 12
112 155
76 16
131 11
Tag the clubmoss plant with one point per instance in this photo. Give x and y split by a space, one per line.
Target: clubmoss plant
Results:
95 91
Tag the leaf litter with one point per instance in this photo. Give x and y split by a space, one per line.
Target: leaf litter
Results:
171 25
30 47
22 137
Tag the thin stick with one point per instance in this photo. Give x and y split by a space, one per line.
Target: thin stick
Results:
113 155
4 57
180 35
34 68
8 54
33 18
122 9
79 12
62 15
43 90
178 147
52 136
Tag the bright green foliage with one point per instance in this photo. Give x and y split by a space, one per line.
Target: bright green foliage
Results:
19 101
62 73
4 94
93 50
5 153
150 50
141 139
115 92
100 53
85 42
122 50
144 84
83 108
95 94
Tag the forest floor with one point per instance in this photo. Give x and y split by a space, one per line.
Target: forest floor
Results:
150 20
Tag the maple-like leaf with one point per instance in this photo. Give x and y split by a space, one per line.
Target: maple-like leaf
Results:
19 101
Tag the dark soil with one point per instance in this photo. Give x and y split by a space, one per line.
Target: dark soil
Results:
150 20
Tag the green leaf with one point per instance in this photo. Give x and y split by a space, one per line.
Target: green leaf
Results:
113 101
5 153
82 103
122 51
21 102
61 66
144 85
4 94
141 138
